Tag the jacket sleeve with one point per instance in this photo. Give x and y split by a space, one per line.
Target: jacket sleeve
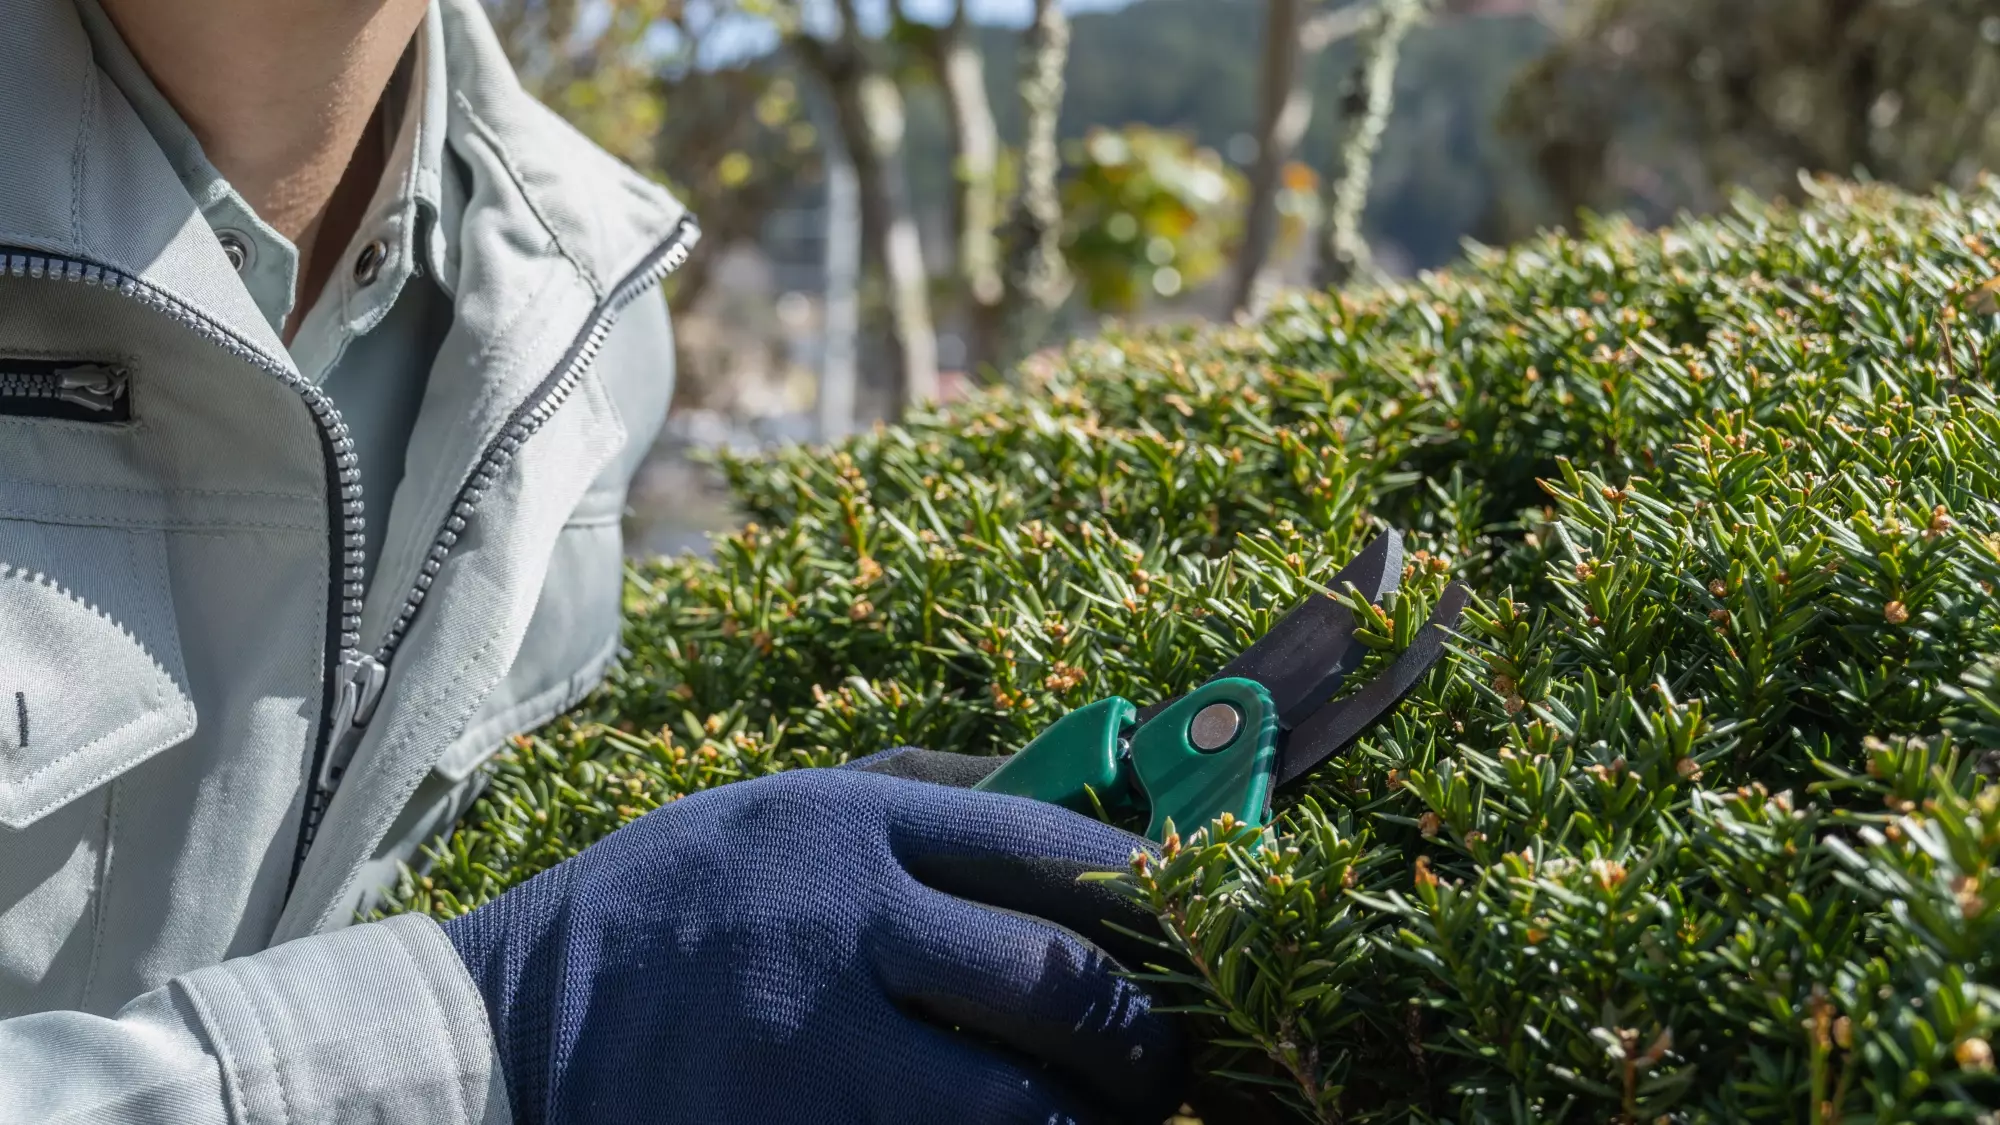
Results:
374 1023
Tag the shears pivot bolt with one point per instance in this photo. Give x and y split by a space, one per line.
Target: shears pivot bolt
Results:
1215 726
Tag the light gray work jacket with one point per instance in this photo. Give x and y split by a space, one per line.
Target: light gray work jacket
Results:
217 736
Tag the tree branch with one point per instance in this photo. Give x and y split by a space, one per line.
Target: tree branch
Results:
1327 28
961 72
1345 252
1040 275
869 108
1284 111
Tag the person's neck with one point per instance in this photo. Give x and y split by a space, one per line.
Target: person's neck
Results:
280 94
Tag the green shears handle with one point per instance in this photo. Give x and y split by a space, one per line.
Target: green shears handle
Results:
1095 750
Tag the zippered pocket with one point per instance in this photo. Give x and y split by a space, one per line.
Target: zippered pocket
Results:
67 389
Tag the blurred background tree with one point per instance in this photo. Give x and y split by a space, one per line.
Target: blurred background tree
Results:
904 196
1005 208
1149 214
1652 105
593 63
861 77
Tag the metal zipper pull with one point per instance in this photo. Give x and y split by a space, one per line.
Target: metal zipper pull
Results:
92 385
361 682
96 388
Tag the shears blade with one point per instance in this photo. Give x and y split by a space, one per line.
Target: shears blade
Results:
1333 728
1303 657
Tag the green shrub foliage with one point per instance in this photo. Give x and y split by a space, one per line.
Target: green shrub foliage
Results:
1694 824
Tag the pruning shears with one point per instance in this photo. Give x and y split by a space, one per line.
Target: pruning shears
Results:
1262 722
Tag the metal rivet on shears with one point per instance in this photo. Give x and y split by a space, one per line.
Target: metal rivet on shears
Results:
1215 726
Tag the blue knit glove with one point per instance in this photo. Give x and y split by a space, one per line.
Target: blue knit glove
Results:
823 946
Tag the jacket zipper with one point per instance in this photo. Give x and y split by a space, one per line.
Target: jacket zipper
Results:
362 675
345 583
95 387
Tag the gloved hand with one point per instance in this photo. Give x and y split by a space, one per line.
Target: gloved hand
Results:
823 946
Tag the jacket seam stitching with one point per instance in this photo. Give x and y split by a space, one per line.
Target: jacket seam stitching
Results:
59 519
490 389
598 663
234 493
437 1006
86 128
104 867
232 1070
99 778
498 386
487 134
158 707
567 694
448 690
253 1003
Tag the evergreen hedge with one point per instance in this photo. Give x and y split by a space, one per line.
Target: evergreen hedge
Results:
1693 825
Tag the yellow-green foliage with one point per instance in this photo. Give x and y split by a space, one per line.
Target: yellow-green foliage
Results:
1693 826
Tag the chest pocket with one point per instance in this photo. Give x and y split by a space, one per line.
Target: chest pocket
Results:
91 677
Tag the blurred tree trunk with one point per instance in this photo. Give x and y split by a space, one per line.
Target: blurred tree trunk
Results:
1365 111
961 74
1284 109
869 108
841 311
873 110
1038 275
1011 270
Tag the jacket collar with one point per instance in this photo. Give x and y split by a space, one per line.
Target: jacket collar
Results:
605 218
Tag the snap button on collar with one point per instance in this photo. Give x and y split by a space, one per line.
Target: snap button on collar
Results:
235 248
368 265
